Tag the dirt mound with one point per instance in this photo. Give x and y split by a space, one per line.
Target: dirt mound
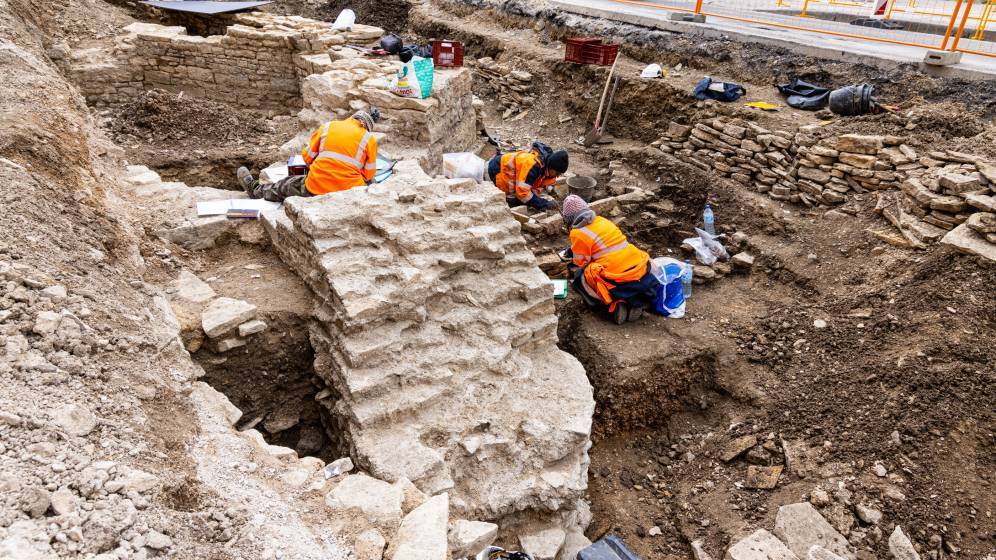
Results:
159 116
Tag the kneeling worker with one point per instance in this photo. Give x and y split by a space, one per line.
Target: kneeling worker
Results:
611 274
340 155
524 175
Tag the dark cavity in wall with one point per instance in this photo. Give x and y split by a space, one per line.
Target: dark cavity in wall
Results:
272 381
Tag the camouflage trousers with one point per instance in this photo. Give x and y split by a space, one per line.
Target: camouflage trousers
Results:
292 185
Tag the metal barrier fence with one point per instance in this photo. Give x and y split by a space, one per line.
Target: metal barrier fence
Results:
955 25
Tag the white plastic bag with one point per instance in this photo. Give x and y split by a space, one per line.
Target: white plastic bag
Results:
414 79
669 301
345 21
463 165
707 249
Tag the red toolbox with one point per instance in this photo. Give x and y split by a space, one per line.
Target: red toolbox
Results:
590 50
447 53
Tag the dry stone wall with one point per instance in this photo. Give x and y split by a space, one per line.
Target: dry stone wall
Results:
934 196
259 61
437 332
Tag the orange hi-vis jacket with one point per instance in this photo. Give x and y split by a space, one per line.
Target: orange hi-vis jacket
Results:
341 155
522 175
607 256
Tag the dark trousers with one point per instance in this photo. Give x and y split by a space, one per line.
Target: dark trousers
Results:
291 185
640 293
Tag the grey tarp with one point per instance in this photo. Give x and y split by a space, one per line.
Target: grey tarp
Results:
204 6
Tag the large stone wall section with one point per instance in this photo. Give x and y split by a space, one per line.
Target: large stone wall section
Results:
437 330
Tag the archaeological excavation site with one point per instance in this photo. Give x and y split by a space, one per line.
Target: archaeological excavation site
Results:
371 344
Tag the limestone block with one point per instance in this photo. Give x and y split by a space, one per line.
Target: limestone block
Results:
959 184
800 526
900 546
860 144
252 327
74 419
191 289
965 240
761 545
467 538
983 202
369 545
543 544
817 552
376 500
224 314
858 160
422 535
574 543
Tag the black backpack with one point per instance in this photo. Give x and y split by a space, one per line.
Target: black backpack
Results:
543 151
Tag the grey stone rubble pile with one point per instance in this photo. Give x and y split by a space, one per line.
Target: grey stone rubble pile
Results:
436 330
226 322
513 88
802 533
942 190
260 60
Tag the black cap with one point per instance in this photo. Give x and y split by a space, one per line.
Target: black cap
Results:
558 161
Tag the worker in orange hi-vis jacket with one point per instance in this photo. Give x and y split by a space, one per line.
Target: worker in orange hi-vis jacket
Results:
340 155
524 175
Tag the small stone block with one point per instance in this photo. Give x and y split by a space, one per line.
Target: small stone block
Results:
252 327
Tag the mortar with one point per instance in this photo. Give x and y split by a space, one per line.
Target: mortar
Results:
582 186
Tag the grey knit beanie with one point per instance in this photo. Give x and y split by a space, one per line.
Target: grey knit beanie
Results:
365 119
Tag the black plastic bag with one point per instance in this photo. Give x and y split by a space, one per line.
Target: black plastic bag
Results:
720 91
804 95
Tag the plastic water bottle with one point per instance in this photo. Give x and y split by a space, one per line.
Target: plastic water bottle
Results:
686 280
709 220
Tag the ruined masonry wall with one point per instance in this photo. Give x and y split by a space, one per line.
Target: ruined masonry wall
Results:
258 61
437 331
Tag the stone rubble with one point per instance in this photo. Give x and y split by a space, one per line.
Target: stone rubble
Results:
436 329
512 87
800 526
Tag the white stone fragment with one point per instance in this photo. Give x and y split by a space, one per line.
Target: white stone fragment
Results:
760 545
422 535
224 314
467 538
75 419
801 526
378 501
252 327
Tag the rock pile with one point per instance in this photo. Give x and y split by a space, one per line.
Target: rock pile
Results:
514 89
436 330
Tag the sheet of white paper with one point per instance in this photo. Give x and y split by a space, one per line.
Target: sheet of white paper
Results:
218 207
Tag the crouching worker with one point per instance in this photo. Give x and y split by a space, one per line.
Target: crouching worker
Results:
524 175
609 273
340 155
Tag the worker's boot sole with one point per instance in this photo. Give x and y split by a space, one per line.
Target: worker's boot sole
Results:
634 314
621 314
245 180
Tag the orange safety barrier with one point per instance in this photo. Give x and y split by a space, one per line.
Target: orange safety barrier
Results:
956 25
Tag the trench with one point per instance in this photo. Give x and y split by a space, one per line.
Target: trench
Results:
273 382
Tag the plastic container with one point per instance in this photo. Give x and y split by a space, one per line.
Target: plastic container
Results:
590 50
686 279
851 101
447 54
610 547
709 220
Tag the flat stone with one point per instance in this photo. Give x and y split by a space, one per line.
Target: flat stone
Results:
860 144
761 545
983 202
252 327
952 204
742 261
224 314
467 538
63 501
543 545
814 174
74 419
369 545
574 543
376 500
967 241
800 526
231 343
959 184
57 292
422 535
988 171
868 514
192 289
282 419
411 496
735 447
858 160
157 541
900 546
982 222
762 478
817 552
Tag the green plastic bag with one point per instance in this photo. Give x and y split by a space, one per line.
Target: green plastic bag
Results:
414 79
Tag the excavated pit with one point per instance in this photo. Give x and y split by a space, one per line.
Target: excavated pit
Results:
273 382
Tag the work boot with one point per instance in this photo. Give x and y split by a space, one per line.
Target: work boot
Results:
246 180
621 314
634 314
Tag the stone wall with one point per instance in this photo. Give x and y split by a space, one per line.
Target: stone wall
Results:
941 190
438 333
259 61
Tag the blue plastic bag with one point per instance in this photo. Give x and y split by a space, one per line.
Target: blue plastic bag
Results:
708 89
670 301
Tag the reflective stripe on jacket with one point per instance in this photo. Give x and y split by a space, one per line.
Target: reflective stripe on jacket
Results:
608 256
341 155
522 175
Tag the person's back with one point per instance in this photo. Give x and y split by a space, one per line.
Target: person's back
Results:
604 243
523 175
341 155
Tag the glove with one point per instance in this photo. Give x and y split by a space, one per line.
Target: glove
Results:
540 203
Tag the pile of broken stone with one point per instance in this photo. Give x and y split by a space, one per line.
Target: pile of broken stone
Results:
513 88
227 323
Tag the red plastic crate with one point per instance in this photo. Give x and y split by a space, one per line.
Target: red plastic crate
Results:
447 53
590 50
574 51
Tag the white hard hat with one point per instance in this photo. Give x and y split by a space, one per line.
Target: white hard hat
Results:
652 71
